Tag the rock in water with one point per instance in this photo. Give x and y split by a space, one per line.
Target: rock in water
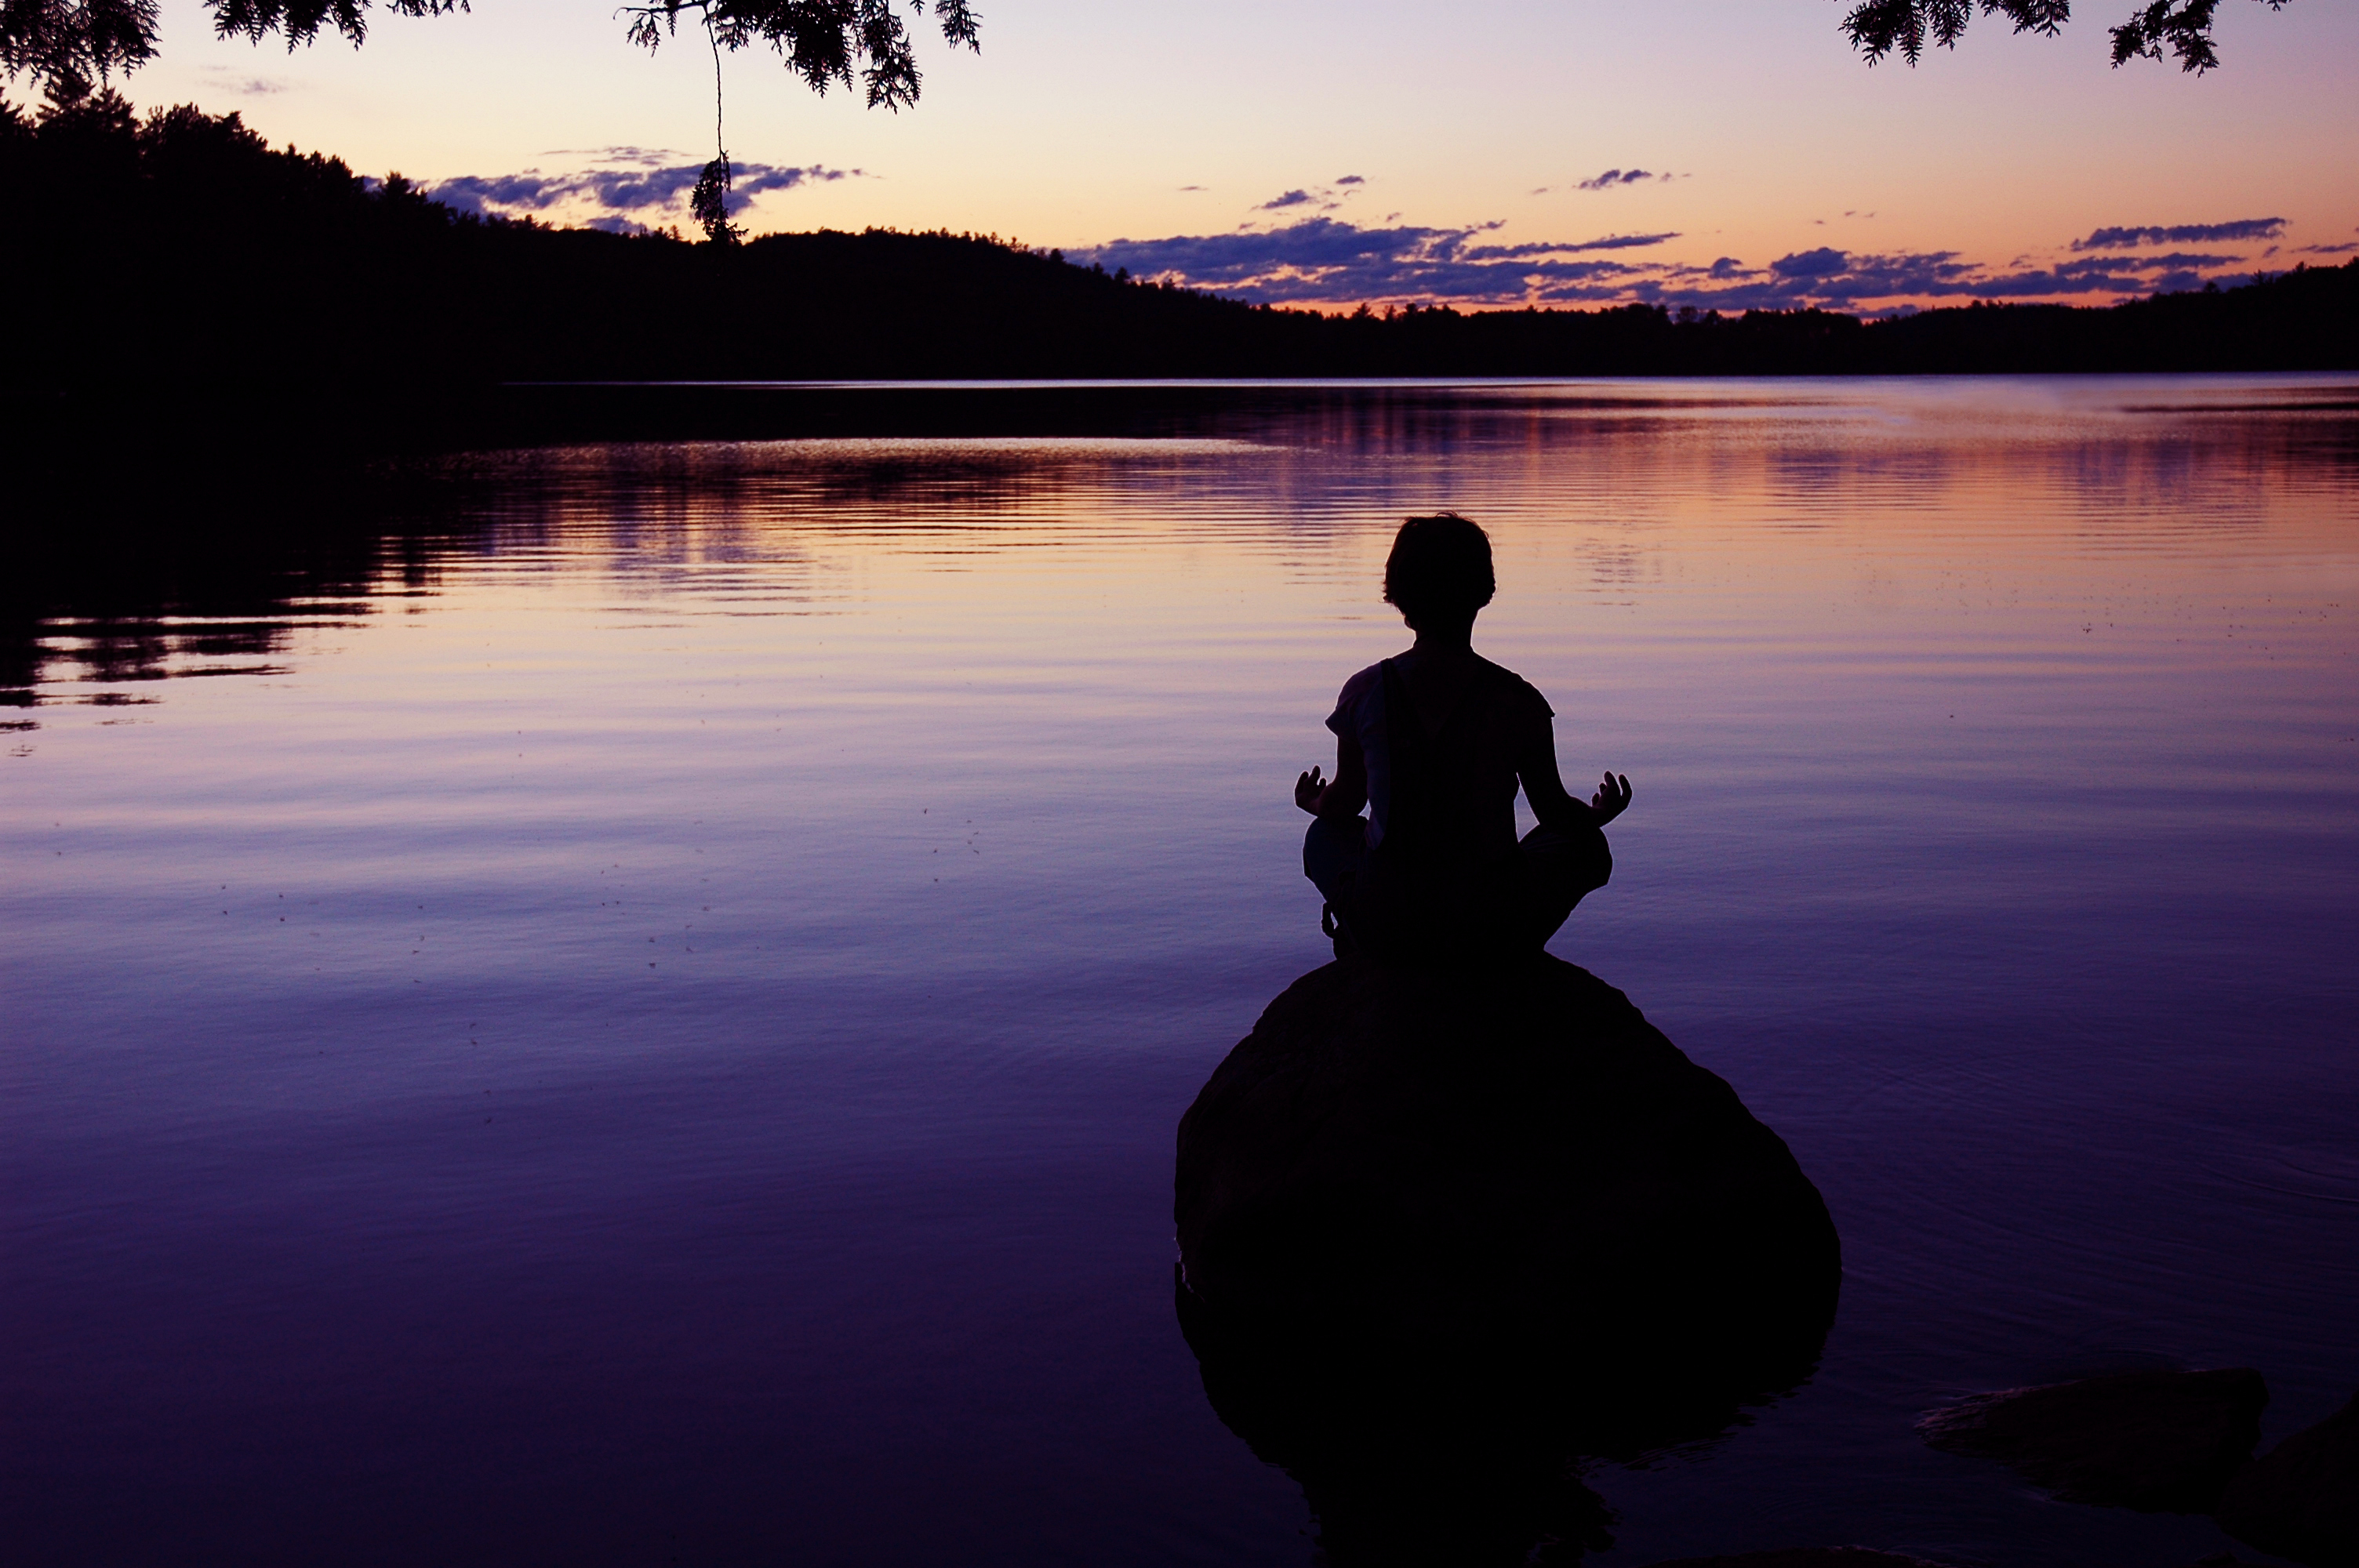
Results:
1482 1151
2160 1442
1445 1241
2301 1500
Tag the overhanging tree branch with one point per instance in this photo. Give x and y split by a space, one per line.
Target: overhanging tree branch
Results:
67 46
2184 28
825 42
1879 28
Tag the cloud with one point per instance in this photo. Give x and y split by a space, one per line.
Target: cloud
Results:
1831 280
622 197
1551 247
1316 198
2183 234
1613 177
226 80
1824 262
2168 261
2341 250
645 157
1326 260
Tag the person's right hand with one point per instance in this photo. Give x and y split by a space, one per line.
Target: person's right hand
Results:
1612 799
1307 791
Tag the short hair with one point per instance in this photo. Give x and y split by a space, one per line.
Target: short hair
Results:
1439 569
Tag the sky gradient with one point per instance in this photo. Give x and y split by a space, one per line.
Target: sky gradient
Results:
1723 152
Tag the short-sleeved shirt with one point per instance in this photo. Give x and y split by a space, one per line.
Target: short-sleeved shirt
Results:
1504 718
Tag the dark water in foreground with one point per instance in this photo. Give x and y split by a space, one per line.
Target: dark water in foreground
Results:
647 1027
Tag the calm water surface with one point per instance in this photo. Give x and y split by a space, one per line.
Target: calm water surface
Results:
645 1025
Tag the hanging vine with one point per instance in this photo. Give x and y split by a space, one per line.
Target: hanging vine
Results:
825 42
708 203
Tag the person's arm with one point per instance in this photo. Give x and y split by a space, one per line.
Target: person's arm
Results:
1342 795
1544 788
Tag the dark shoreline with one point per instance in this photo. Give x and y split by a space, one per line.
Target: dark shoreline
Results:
199 312
80 448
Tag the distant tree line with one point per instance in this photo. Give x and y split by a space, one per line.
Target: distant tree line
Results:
180 276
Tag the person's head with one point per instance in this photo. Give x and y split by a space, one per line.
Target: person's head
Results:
1439 574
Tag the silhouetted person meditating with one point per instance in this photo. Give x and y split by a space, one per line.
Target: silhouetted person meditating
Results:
1433 743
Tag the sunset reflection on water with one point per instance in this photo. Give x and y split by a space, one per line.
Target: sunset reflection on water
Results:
647 1009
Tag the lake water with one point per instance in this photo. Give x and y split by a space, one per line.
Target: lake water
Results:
640 1018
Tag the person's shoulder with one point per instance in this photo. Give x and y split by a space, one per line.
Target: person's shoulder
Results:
1346 719
1519 694
1357 686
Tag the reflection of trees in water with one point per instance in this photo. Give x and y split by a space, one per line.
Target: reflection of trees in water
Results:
178 586
766 524
202 586
1610 472
725 491
151 625
170 587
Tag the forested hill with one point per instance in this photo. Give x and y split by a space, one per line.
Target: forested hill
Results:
182 264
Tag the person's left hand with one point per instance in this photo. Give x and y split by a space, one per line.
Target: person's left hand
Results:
1612 799
1307 789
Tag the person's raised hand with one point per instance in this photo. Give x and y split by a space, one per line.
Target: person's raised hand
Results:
1307 791
1612 799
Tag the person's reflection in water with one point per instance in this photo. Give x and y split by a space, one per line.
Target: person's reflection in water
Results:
1434 742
